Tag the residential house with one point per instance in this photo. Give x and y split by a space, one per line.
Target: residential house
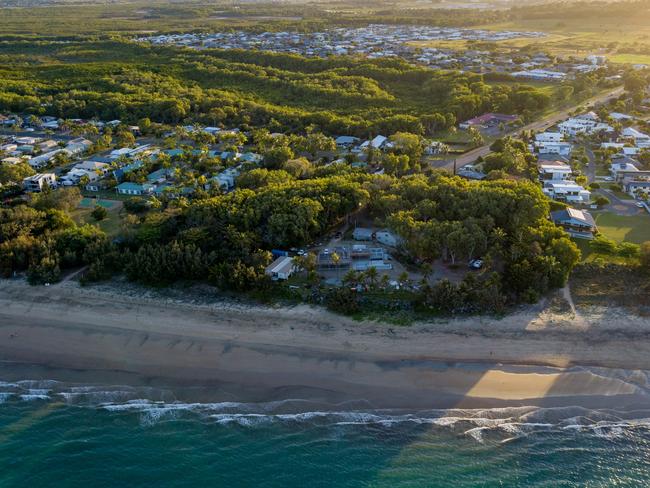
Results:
78 146
96 166
624 167
346 141
379 142
637 188
549 137
137 189
577 223
44 159
554 171
37 182
558 148
47 145
566 191
635 135
281 269
119 173
488 120
158 176
75 175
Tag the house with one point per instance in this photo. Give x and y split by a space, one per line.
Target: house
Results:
47 145
158 176
587 123
11 160
45 158
576 223
554 171
50 124
251 157
637 188
37 182
635 135
119 173
346 141
226 179
559 148
470 174
75 175
488 120
436 147
134 188
96 166
281 269
619 116
549 137
78 146
625 167
362 234
540 74
566 191
379 142
387 238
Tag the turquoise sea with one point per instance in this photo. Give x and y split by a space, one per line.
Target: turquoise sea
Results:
70 435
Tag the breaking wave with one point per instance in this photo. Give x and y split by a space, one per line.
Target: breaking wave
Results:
499 424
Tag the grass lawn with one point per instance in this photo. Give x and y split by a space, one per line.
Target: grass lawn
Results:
110 225
635 228
630 58
589 256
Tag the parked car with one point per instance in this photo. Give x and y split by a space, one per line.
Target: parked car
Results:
639 204
476 264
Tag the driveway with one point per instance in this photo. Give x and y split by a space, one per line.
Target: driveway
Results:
618 205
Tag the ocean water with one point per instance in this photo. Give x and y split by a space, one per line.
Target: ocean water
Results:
67 435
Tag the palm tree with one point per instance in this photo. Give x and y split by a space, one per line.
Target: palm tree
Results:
372 275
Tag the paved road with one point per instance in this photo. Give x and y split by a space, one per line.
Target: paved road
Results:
618 205
590 170
539 125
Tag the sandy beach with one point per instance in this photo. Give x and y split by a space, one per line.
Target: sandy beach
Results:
547 355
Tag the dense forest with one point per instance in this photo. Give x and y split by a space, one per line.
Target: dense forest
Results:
117 79
225 239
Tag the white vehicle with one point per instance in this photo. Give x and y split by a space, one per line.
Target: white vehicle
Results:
639 204
476 264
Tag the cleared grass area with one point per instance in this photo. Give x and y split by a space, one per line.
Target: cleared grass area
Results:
589 256
630 58
110 225
635 228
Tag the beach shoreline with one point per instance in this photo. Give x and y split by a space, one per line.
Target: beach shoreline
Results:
543 355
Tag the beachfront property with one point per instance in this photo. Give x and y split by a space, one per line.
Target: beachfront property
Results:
576 223
37 182
566 191
281 269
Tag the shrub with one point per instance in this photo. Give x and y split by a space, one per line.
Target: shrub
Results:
99 213
603 245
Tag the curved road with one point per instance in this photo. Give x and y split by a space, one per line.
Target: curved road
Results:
538 125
